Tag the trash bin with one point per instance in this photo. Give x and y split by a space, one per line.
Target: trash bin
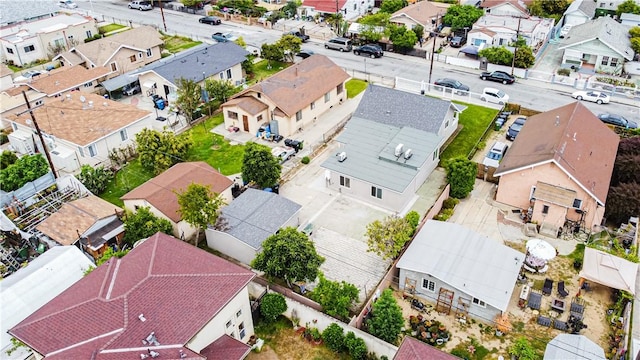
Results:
160 104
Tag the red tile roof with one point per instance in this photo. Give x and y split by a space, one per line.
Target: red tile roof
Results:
328 6
177 287
226 348
414 349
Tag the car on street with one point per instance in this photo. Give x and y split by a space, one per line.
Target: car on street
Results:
458 41
370 50
618 120
283 153
515 128
29 74
68 4
131 89
593 96
224 37
496 154
298 34
211 20
565 31
451 84
494 96
141 5
305 53
339 43
498 76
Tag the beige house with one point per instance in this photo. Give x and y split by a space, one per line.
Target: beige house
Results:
503 29
63 80
506 7
424 13
6 77
122 52
12 101
559 167
289 100
159 193
25 42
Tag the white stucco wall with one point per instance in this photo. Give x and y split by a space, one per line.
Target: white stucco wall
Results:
230 246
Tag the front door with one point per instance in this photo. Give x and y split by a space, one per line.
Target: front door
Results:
245 123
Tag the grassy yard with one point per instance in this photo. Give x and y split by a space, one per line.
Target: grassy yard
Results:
109 28
128 178
474 120
355 87
262 71
175 44
213 148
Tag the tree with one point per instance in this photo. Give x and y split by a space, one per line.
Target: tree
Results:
387 237
626 169
7 158
291 8
419 31
335 297
378 19
524 57
497 55
159 150
371 33
634 31
25 169
386 318
413 218
391 6
623 201
290 45
95 179
356 346
189 3
142 224
628 7
109 253
461 174
248 66
403 39
523 350
240 42
189 96
259 166
635 44
199 206
548 8
333 337
219 90
289 255
272 306
272 52
461 16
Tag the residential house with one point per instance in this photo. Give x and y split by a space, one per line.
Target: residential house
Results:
12 101
424 13
165 299
89 223
14 11
506 7
459 268
560 167
414 349
289 100
579 12
29 288
63 80
122 52
502 30
381 163
349 9
159 193
79 129
26 42
248 221
6 77
602 45
630 20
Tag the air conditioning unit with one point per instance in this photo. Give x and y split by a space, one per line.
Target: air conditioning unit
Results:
342 156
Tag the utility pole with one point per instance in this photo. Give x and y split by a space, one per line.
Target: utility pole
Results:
515 49
44 145
433 48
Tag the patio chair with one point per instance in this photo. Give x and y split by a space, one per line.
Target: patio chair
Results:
544 321
548 286
534 301
577 308
560 325
561 290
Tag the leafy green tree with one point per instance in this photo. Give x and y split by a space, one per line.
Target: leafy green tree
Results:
199 206
497 55
259 166
461 175
240 42
109 253
524 57
189 3
628 7
391 6
386 318
413 218
159 150
291 8
634 32
403 39
378 19
523 350
627 164
220 90
461 16
289 255
333 337
25 169
95 179
290 45
142 224
387 237
356 346
419 31
335 297
548 8
272 52
189 97
248 66
371 33
272 306
7 158
635 44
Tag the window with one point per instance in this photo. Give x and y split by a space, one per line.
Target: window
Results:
340 88
479 302
132 58
232 115
605 61
355 7
259 118
446 123
229 74
123 134
614 62
29 48
88 33
327 97
58 42
259 96
114 67
81 151
229 323
149 53
376 192
545 209
14 126
532 193
139 55
89 84
345 181
577 203
92 150
428 285
239 313
313 105
299 115
10 50
435 154
241 330
221 75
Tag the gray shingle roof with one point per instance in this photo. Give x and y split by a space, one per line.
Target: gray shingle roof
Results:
255 215
15 11
400 108
605 29
370 153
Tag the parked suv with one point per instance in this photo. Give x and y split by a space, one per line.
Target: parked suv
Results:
458 41
515 128
141 5
338 43
370 50
495 154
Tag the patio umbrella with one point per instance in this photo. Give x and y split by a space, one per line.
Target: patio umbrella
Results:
541 249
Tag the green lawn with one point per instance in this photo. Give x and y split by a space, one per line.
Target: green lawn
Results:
474 120
261 70
128 178
109 28
213 148
355 87
174 44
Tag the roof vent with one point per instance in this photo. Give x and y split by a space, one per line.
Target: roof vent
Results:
69 96
154 354
557 120
82 99
151 339
143 356
342 156
142 318
408 154
399 149
574 136
90 103
182 354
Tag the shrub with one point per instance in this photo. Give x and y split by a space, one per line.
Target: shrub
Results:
564 72
272 306
413 218
450 203
305 160
333 337
4 138
356 346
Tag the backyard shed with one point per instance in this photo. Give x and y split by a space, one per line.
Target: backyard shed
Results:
609 270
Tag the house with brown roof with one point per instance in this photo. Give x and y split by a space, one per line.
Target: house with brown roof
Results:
12 101
560 168
63 80
6 77
506 7
122 52
414 349
423 13
165 299
289 100
159 193
89 223
79 129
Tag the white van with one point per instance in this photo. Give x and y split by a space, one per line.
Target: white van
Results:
494 96
68 4
339 43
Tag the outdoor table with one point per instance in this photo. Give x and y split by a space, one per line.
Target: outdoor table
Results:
558 305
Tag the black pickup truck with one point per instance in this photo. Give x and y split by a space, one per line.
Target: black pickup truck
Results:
298 34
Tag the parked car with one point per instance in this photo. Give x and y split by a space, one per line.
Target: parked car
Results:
305 53
515 128
29 74
298 34
140 5
458 41
131 89
451 84
264 18
224 37
370 50
499 76
211 20
593 96
565 31
618 120
283 153
339 43
494 96
68 4
495 155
